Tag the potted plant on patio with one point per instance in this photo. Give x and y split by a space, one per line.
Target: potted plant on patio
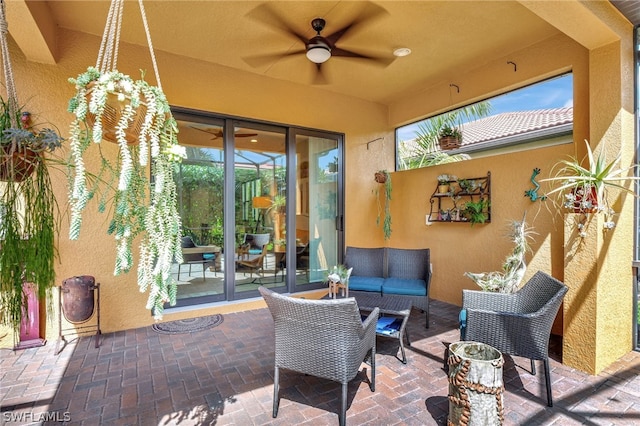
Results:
111 106
383 177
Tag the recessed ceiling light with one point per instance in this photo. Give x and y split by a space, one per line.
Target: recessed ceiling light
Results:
402 51
254 140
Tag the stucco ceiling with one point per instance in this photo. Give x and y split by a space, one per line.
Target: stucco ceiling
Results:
443 36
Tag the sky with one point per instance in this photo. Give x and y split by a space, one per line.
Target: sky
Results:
553 93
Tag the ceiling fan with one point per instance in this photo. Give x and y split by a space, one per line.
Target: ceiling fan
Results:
217 133
319 48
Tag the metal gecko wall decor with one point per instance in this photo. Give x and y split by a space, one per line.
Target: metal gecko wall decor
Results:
533 193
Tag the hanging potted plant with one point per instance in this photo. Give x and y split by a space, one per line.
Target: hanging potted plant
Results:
584 187
383 177
111 106
449 137
27 205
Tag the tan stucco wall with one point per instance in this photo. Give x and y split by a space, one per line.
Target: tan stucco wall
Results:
601 112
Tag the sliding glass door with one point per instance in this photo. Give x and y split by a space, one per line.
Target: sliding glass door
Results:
260 171
318 209
261 204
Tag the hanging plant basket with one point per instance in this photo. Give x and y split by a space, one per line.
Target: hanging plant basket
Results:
18 166
380 177
449 142
27 209
111 106
114 109
583 200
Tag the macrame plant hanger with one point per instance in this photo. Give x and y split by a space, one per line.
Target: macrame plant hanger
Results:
108 54
107 61
12 97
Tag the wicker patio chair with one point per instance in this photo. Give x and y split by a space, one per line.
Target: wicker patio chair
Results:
321 338
515 324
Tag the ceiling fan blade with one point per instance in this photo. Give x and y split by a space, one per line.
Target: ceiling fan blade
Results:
258 61
245 135
380 60
369 12
266 15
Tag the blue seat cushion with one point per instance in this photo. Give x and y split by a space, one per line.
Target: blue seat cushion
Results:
404 286
208 256
366 283
255 251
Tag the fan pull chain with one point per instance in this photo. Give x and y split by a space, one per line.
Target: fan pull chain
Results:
8 71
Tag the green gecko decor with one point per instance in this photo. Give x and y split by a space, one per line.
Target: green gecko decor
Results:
533 193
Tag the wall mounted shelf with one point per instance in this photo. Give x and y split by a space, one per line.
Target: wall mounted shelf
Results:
448 205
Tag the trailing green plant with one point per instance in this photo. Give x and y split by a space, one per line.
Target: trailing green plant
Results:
514 267
475 211
27 204
386 210
126 183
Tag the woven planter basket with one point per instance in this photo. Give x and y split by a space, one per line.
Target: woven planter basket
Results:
18 166
449 142
380 177
111 116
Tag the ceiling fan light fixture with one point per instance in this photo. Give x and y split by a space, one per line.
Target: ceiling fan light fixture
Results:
318 51
318 54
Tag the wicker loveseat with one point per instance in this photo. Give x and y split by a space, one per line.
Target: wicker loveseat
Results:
392 272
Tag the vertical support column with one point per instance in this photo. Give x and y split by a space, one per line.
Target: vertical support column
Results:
598 306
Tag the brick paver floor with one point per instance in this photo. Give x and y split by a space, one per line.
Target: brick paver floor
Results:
224 376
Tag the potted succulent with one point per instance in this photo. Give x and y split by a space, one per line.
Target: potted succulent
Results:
383 177
584 187
444 183
449 137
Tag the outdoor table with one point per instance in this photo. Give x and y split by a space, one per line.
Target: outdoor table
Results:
394 306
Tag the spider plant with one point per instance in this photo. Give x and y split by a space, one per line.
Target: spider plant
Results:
585 186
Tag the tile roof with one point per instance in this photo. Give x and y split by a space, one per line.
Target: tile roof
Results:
507 125
514 123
